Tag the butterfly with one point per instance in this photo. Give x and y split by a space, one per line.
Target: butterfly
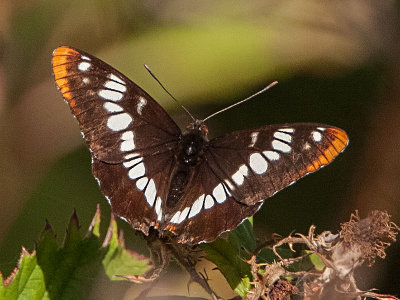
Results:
156 176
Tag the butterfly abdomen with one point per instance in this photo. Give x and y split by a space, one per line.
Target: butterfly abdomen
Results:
190 154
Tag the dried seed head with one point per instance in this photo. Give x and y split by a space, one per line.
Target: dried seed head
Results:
370 236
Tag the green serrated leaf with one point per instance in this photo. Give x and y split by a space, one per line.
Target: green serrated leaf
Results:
243 236
228 256
67 272
118 260
26 281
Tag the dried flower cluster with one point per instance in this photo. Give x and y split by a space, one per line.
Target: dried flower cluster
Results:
359 241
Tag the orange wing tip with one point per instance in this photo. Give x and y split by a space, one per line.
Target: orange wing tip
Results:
338 142
61 57
339 139
65 51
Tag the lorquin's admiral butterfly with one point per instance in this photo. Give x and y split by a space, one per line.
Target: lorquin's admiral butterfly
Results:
154 175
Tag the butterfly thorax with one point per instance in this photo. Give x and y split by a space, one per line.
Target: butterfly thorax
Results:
191 149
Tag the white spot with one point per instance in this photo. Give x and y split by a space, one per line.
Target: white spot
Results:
124 219
83 57
197 206
128 144
238 178
288 130
283 136
254 138
306 146
317 136
258 163
244 170
110 95
271 155
281 146
119 122
127 135
115 78
142 102
112 107
321 128
175 218
108 200
219 193
115 86
130 163
141 183
85 80
158 209
84 66
209 202
183 215
150 192
137 171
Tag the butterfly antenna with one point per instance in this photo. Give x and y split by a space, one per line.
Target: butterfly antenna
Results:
240 102
159 82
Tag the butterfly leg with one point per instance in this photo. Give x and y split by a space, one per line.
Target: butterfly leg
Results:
187 258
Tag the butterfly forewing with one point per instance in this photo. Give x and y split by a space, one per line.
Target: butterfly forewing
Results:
131 138
257 163
139 155
116 116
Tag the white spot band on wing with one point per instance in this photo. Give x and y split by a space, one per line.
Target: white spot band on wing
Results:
281 146
288 130
111 95
115 86
137 171
183 215
150 192
208 202
116 78
258 163
119 122
283 136
219 193
271 155
141 183
128 142
197 206
112 107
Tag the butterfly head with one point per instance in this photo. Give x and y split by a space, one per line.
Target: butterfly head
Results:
198 127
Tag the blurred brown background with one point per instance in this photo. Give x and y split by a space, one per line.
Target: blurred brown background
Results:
337 63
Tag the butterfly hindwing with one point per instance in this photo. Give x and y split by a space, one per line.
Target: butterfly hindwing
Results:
139 201
207 209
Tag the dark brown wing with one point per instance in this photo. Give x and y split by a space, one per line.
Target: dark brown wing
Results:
131 137
242 168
